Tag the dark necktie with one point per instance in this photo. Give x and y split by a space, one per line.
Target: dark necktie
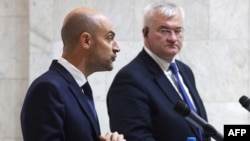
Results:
173 67
88 92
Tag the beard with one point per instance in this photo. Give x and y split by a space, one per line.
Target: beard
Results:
102 65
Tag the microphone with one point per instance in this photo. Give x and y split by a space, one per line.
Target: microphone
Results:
245 102
182 109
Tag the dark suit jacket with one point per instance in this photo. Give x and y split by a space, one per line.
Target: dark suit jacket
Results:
55 109
141 99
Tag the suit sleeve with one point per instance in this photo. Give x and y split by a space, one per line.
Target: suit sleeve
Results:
42 114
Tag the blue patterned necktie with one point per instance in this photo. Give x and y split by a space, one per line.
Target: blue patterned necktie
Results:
173 67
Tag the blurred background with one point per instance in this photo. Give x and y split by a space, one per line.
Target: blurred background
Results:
216 47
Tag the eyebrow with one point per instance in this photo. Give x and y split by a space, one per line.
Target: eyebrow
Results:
169 28
111 32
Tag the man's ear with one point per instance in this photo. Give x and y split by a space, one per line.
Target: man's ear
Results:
85 39
145 31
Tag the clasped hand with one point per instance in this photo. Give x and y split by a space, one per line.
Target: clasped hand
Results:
112 137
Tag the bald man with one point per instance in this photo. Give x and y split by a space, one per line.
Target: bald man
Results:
56 106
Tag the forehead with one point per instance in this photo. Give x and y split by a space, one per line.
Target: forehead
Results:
104 23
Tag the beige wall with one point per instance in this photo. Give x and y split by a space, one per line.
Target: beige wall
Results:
216 47
14 65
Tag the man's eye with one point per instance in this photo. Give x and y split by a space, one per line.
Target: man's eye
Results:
177 31
167 32
110 38
164 31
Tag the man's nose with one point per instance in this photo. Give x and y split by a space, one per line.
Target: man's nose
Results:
115 46
172 36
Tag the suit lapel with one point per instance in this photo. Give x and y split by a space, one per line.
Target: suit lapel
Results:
82 99
171 93
165 84
193 92
160 78
167 88
191 89
77 92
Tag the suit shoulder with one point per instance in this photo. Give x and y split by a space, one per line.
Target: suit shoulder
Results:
49 78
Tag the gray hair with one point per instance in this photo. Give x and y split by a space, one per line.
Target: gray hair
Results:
168 8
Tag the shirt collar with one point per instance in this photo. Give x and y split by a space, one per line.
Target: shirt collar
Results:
164 65
75 72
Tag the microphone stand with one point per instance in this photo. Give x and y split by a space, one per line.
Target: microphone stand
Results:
210 131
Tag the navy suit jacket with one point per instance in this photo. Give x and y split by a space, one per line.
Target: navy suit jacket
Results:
141 99
55 109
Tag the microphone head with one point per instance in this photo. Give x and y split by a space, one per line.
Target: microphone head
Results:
182 109
244 101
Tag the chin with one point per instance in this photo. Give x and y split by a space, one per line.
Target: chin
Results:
108 68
